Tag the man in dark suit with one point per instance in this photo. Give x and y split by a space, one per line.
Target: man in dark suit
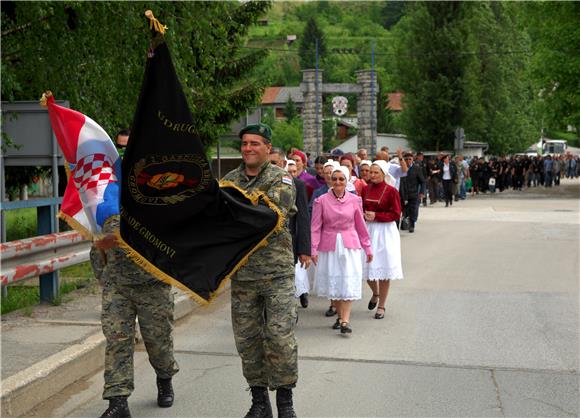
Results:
300 223
414 186
421 163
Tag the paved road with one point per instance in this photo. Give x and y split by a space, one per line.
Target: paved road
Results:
486 324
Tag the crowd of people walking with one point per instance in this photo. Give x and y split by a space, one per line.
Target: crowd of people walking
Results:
351 211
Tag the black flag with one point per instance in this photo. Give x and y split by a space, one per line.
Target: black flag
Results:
176 222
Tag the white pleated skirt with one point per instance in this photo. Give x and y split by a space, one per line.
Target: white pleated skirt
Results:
339 272
386 245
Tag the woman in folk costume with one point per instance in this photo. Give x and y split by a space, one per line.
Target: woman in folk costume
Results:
339 235
364 171
382 210
354 183
301 165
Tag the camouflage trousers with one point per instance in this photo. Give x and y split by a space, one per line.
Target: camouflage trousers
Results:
153 305
263 319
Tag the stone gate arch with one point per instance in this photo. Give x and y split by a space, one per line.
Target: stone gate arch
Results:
312 108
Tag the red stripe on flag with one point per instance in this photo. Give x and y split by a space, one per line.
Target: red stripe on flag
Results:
66 124
71 202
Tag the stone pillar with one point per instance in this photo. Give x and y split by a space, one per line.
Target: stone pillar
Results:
311 112
367 111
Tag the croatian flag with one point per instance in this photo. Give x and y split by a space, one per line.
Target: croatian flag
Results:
92 192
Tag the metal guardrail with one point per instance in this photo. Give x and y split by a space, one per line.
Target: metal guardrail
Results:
47 223
31 257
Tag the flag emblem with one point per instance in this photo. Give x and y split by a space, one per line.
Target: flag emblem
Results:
93 171
168 179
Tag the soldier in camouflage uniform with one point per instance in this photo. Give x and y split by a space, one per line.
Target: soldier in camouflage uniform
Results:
263 304
98 257
130 292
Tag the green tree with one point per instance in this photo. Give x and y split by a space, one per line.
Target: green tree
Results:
500 98
287 134
307 50
45 45
391 12
385 119
464 64
290 110
555 34
329 131
430 70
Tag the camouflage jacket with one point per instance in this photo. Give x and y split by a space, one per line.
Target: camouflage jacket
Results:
276 259
119 269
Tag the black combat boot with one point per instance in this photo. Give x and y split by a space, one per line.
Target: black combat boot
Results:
261 407
304 300
284 403
164 393
118 408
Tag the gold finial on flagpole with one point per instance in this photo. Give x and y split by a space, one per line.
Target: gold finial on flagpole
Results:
44 98
154 23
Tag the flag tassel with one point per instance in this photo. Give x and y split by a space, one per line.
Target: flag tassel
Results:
77 226
155 24
44 99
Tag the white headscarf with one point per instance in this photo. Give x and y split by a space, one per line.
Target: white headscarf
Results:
384 166
365 162
331 163
344 170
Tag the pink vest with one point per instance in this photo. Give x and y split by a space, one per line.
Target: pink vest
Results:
331 216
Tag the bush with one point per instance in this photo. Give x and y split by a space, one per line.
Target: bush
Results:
286 135
20 223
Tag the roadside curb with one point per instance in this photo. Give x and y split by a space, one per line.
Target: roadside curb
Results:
28 388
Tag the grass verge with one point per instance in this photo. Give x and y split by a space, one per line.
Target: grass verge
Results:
20 224
26 296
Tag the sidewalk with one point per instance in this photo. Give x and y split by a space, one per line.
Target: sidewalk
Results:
55 346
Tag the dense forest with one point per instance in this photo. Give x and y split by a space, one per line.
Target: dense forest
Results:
501 70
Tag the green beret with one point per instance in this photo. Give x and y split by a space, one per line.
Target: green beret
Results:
258 129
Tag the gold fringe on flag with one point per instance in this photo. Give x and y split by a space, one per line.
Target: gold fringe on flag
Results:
154 23
142 262
147 266
74 224
254 197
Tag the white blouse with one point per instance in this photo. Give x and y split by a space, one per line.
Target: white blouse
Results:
446 172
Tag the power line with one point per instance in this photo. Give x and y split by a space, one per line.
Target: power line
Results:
353 51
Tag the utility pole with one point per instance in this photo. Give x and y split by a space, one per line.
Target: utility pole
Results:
318 148
373 118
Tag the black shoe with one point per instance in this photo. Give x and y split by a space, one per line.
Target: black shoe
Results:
304 300
261 407
372 305
336 325
331 311
118 408
284 403
345 328
446 204
411 228
164 393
